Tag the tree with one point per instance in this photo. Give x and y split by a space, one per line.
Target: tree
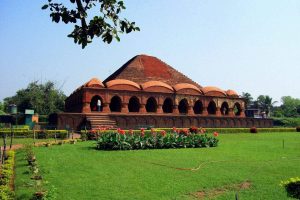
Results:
107 24
43 98
266 103
248 98
290 106
1 108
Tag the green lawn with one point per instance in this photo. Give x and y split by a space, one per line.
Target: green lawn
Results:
258 161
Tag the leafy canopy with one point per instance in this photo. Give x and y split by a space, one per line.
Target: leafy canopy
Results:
107 25
43 98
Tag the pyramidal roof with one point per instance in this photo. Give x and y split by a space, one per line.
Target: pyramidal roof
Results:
144 68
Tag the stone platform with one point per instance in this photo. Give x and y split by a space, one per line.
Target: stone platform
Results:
78 121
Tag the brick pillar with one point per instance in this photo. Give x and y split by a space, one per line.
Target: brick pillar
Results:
230 112
105 108
159 109
242 113
175 110
204 112
191 110
86 108
143 108
124 108
218 112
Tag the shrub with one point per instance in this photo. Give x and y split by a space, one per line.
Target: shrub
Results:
253 130
6 193
292 187
298 129
6 177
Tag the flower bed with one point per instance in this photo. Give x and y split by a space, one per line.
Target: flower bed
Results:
127 140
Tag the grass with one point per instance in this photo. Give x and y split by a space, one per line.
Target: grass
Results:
81 172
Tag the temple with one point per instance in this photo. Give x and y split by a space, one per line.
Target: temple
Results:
146 92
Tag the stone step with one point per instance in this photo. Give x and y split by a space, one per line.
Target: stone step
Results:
100 120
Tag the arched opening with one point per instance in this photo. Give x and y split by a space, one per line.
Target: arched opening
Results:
237 109
168 106
96 104
212 108
134 104
115 104
151 105
198 107
224 108
183 106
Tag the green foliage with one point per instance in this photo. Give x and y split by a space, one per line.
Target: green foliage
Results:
248 98
1 108
107 24
42 98
39 134
287 122
122 141
6 193
7 171
290 106
292 187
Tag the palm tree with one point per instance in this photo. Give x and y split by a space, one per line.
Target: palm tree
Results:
266 104
248 98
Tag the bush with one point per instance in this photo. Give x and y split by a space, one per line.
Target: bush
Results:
298 129
157 140
292 187
253 130
6 177
286 122
6 193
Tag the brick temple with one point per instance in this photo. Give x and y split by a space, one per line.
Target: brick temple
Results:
146 92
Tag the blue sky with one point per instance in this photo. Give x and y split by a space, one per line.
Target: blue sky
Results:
246 45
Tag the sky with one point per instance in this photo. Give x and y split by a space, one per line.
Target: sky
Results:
246 45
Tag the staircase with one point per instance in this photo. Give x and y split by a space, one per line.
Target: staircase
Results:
97 120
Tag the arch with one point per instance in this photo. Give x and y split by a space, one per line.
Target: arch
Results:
198 107
168 106
237 109
134 104
212 108
94 102
183 106
151 105
224 108
115 104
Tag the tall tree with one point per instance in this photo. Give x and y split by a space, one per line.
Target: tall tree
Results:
266 103
43 98
290 106
248 98
1 108
107 24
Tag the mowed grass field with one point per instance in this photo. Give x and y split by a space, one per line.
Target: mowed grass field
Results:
251 165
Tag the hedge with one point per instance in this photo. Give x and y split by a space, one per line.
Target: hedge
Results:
7 171
286 122
38 133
